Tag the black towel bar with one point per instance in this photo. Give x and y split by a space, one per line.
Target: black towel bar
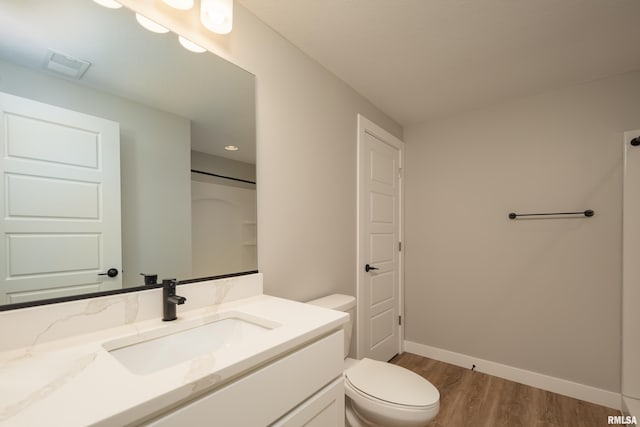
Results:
587 213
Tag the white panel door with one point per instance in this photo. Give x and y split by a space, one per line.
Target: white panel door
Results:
379 226
60 195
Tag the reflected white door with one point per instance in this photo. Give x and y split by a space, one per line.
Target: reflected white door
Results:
379 232
60 197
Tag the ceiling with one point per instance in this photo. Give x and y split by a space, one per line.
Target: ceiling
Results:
421 59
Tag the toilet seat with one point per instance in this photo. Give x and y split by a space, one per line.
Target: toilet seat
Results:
391 385
386 394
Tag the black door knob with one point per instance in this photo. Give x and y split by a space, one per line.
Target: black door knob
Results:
368 268
112 272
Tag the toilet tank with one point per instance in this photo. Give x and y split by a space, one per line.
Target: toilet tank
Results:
340 302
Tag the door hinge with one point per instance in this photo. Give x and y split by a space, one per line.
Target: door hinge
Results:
399 172
400 320
399 246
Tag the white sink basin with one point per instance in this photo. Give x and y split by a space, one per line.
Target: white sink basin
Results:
165 347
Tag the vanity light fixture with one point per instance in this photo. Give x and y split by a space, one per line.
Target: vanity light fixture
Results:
189 45
150 25
231 147
111 4
217 15
180 4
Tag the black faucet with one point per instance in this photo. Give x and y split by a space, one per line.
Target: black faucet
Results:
170 299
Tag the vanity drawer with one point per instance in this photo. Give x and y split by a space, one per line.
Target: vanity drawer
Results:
325 408
263 396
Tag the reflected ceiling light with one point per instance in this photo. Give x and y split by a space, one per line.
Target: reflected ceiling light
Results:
217 15
180 4
231 147
111 4
150 25
189 45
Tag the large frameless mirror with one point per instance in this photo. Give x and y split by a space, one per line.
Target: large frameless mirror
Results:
186 204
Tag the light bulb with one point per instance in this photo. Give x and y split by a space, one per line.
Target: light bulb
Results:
180 4
189 45
231 147
217 15
150 25
111 4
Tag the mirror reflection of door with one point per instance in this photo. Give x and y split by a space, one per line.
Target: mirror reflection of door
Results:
60 229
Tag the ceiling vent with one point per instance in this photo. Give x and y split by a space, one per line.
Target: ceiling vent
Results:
65 65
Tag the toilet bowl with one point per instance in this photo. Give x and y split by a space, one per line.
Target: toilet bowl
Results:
384 394
380 393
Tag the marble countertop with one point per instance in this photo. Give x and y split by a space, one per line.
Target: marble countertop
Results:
76 382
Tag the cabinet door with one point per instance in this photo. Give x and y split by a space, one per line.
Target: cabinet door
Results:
325 408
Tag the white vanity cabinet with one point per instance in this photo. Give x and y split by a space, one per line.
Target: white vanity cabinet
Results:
302 388
323 409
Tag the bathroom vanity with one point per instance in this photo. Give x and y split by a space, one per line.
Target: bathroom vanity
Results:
274 392
234 357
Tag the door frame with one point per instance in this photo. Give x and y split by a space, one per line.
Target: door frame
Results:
630 370
366 126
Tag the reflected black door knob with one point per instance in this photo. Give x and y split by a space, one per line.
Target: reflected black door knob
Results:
368 268
112 272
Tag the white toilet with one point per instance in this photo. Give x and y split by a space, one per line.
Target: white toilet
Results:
380 393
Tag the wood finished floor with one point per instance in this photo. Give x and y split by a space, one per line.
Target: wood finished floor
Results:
473 399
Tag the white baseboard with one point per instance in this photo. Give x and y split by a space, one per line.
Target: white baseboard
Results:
545 382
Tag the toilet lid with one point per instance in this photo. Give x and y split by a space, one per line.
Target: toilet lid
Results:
392 383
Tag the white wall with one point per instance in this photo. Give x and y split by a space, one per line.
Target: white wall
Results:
306 149
154 167
223 216
223 227
222 166
541 295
